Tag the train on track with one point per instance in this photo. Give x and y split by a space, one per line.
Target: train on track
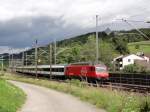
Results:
76 70
94 73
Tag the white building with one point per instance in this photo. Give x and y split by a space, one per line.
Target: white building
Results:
121 61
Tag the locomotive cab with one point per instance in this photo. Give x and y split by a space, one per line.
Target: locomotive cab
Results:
101 72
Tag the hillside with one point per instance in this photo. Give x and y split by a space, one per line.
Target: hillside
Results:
143 46
82 48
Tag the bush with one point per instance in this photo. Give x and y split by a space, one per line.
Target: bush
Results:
130 68
145 107
137 46
134 68
2 73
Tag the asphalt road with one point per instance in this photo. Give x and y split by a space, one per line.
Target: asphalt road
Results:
40 99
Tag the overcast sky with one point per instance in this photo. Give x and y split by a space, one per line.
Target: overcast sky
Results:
21 21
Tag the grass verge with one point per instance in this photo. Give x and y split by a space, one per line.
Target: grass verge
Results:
11 97
110 100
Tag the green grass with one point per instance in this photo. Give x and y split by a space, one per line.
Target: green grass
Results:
144 46
110 100
11 97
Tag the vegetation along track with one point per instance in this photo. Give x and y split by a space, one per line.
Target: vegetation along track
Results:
128 82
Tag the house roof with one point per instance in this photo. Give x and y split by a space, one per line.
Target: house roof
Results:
124 56
118 57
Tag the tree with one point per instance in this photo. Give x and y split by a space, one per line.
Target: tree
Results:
89 50
75 51
120 45
107 52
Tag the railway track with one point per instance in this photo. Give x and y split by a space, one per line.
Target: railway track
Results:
137 82
111 84
128 87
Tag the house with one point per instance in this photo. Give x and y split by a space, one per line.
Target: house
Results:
121 61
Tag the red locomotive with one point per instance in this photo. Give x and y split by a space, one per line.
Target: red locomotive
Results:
87 70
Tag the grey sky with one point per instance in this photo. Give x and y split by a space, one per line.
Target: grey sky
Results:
21 21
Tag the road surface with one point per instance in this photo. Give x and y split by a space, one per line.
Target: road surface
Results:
40 99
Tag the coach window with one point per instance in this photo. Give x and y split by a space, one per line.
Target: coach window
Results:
62 69
47 69
55 70
59 69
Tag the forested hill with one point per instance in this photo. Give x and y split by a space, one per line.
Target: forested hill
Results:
82 48
128 36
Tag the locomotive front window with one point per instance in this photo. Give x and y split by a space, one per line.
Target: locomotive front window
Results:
100 69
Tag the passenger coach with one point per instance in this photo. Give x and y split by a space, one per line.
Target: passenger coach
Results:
57 70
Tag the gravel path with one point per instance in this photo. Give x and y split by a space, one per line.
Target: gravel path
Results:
40 99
